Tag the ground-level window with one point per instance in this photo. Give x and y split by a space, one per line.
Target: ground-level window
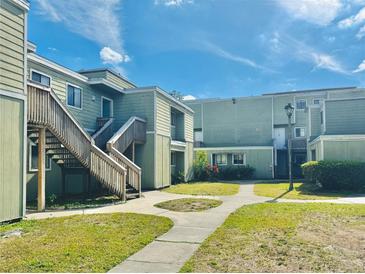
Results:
73 96
33 158
173 158
238 159
299 159
299 132
40 78
219 159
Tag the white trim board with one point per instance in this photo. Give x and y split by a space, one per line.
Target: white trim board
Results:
233 148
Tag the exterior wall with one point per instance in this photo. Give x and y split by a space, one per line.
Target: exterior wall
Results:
259 158
348 93
12 47
13 25
145 159
279 102
162 161
198 114
344 150
118 81
163 116
188 161
314 122
91 109
139 104
345 116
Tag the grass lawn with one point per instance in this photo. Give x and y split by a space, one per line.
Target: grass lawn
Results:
189 204
204 188
301 191
82 243
77 202
285 237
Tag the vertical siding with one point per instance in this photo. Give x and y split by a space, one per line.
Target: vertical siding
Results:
162 161
11 158
11 47
345 116
163 116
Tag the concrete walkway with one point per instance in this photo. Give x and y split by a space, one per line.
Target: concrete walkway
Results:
170 251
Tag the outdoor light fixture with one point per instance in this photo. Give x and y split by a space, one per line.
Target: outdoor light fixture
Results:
233 100
289 109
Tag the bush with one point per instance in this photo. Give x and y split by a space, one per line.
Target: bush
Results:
200 166
336 175
309 170
236 172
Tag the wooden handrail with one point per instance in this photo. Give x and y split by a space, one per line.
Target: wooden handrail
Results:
102 135
47 110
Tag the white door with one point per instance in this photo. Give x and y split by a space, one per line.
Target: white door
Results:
279 135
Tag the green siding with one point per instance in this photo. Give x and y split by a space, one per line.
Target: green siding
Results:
162 162
344 150
351 93
188 161
197 108
145 160
11 158
345 116
279 102
163 116
315 122
260 159
118 80
11 47
189 127
247 122
135 104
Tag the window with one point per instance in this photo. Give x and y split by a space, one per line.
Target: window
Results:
238 159
317 101
40 78
299 132
73 96
173 158
33 158
173 118
219 159
301 104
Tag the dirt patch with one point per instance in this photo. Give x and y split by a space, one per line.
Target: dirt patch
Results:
189 204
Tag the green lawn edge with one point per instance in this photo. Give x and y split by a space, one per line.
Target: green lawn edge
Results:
204 188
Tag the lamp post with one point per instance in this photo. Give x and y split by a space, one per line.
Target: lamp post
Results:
289 109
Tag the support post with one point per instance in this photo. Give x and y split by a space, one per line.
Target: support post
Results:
291 186
133 151
41 169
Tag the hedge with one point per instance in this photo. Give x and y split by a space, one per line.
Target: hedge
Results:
336 175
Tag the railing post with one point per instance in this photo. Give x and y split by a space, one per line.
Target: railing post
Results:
124 188
41 170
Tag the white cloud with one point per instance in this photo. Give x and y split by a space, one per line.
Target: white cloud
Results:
52 49
109 56
216 50
189 97
320 12
353 20
328 62
173 3
361 33
95 20
360 68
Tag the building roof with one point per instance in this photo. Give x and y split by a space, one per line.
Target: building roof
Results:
85 71
307 91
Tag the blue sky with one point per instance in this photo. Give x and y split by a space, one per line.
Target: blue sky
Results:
208 48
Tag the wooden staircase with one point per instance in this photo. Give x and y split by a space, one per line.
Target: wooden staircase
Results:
67 142
131 133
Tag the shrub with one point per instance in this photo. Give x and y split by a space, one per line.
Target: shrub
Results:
236 172
309 170
200 165
178 178
336 175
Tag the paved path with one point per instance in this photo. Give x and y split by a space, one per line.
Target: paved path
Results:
170 251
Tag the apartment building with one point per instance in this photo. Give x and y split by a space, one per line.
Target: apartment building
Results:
327 124
67 132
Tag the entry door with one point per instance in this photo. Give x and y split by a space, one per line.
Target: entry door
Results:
279 135
106 107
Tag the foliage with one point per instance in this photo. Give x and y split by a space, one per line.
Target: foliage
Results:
204 171
189 204
204 188
337 175
179 178
52 198
285 237
309 170
80 243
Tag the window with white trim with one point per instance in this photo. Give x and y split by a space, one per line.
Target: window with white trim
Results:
317 101
238 159
301 104
299 132
219 159
33 158
40 78
74 96
173 158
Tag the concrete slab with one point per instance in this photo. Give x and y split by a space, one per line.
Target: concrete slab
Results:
146 267
186 234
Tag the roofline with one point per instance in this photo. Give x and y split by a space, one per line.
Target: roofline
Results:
308 90
23 4
108 70
46 62
161 91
